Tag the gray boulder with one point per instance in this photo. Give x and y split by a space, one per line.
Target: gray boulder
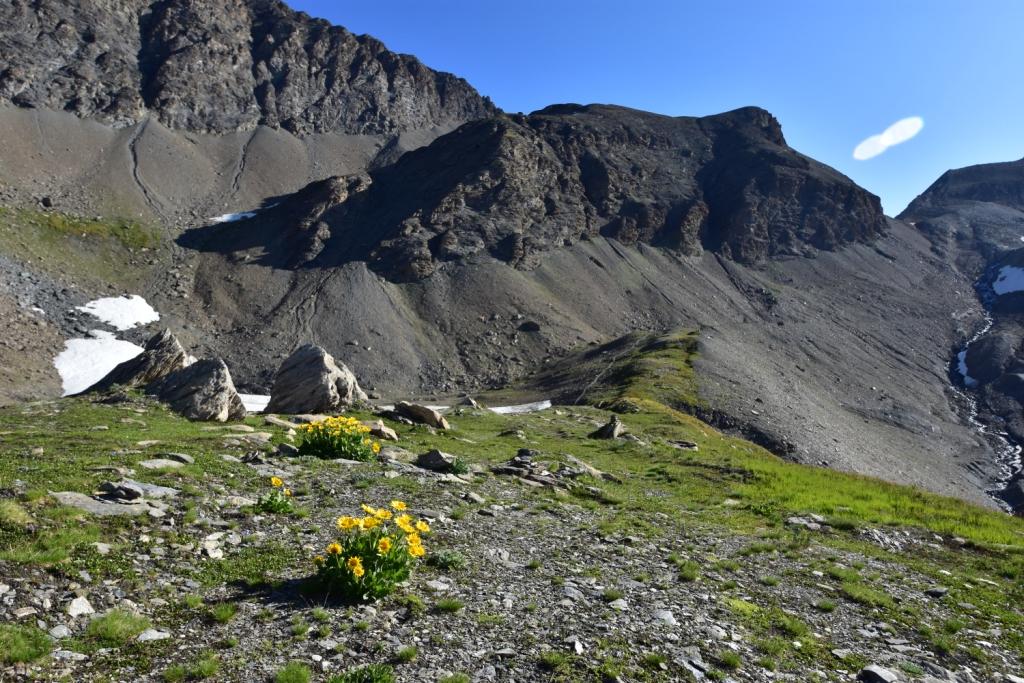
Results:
311 381
436 461
612 430
201 391
163 355
421 414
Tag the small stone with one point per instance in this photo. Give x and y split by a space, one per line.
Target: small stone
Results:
666 617
152 634
160 464
936 592
80 607
23 612
60 632
619 605
438 586
69 656
474 498
182 457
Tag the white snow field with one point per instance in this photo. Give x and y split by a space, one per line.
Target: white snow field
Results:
254 403
83 362
122 312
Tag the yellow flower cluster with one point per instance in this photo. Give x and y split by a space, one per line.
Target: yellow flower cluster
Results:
277 483
340 425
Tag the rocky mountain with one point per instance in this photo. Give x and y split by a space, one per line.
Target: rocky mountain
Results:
218 66
974 216
472 262
515 187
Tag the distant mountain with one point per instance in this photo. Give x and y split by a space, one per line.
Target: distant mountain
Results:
973 214
218 66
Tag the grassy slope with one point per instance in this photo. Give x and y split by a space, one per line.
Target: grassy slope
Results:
728 488
83 249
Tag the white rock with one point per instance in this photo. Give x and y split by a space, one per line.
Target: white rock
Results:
153 634
80 607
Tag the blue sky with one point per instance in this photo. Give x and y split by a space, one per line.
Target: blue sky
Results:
833 71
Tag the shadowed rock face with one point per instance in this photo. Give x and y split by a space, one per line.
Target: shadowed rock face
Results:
218 66
516 187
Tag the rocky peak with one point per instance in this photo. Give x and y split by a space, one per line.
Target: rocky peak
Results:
514 187
218 66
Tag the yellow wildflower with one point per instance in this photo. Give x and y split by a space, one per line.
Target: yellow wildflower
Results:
423 526
417 551
382 514
355 565
276 482
319 560
346 523
370 522
404 522
398 505
376 447
413 539
288 493
384 545
334 549
368 509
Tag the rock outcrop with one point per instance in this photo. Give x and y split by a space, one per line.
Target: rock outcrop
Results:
218 66
311 381
515 187
163 355
202 391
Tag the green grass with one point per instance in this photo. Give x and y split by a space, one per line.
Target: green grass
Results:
373 673
22 644
115 628
406 654
223 612
293 672
456 678
447 560
96 250
612 594
449 605
866 595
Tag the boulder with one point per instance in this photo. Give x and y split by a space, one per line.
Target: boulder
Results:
201 391
876 674
381 431
612 430
311 381
163 355
421 414
436 461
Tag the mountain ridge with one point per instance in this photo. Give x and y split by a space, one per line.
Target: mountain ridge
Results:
218 66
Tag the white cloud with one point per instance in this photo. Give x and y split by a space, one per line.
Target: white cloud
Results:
899 132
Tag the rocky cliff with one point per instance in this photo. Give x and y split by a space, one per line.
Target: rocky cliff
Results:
218 66
513 188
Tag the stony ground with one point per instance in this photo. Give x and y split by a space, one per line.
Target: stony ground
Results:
689 567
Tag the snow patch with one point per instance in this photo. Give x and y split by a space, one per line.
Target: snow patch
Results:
122 312
83 362
961 359
232 217
254 403
522 408
1010 279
